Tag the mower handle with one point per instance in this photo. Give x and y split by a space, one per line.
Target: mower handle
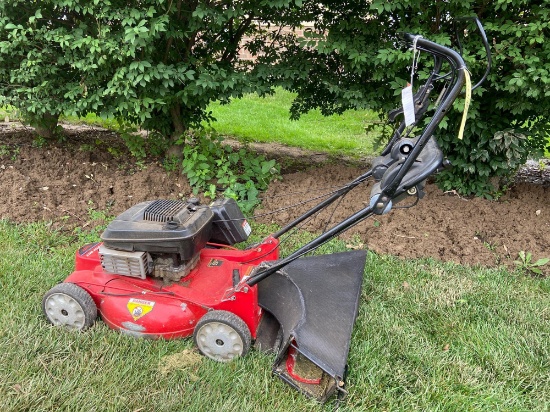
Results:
392 184
435 49
421 97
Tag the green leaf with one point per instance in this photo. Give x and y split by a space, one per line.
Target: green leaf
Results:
541 262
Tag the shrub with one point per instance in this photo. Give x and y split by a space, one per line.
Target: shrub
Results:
350 61
215 168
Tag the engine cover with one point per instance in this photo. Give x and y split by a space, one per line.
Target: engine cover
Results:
161 226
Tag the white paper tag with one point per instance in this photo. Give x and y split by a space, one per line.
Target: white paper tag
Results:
408 105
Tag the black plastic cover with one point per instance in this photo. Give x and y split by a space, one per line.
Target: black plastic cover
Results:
229 225
428 162
315 299
161 226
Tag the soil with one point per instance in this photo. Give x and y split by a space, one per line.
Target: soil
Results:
65 183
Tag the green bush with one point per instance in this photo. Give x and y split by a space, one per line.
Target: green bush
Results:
350 60
153 63
215 168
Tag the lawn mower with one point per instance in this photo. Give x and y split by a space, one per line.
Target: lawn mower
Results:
169 268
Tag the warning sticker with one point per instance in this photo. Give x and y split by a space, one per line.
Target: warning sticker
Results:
139 308
247 229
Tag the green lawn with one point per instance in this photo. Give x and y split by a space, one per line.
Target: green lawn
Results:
267 119
429 336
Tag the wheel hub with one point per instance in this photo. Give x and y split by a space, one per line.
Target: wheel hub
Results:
63 310
219 341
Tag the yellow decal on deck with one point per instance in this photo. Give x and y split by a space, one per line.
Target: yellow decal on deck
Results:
139 308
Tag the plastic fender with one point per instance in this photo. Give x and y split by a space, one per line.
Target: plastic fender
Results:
87 257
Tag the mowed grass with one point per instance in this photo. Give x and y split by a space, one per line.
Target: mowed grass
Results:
267 119
429 336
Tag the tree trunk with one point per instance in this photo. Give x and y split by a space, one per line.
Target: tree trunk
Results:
179 129
45 125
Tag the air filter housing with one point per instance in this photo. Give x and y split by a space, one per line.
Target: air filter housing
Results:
134 264
161 226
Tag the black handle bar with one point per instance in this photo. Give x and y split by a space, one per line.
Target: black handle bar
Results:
439 52
428 46
458 68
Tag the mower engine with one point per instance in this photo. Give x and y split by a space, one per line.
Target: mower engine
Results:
163 238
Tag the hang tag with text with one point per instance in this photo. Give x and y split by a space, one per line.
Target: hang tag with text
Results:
408 105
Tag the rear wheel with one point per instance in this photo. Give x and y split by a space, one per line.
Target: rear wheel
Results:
70 306
222 336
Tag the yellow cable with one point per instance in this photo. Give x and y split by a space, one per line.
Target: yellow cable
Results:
467 100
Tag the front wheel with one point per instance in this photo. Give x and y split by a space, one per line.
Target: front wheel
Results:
222 336
68 305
